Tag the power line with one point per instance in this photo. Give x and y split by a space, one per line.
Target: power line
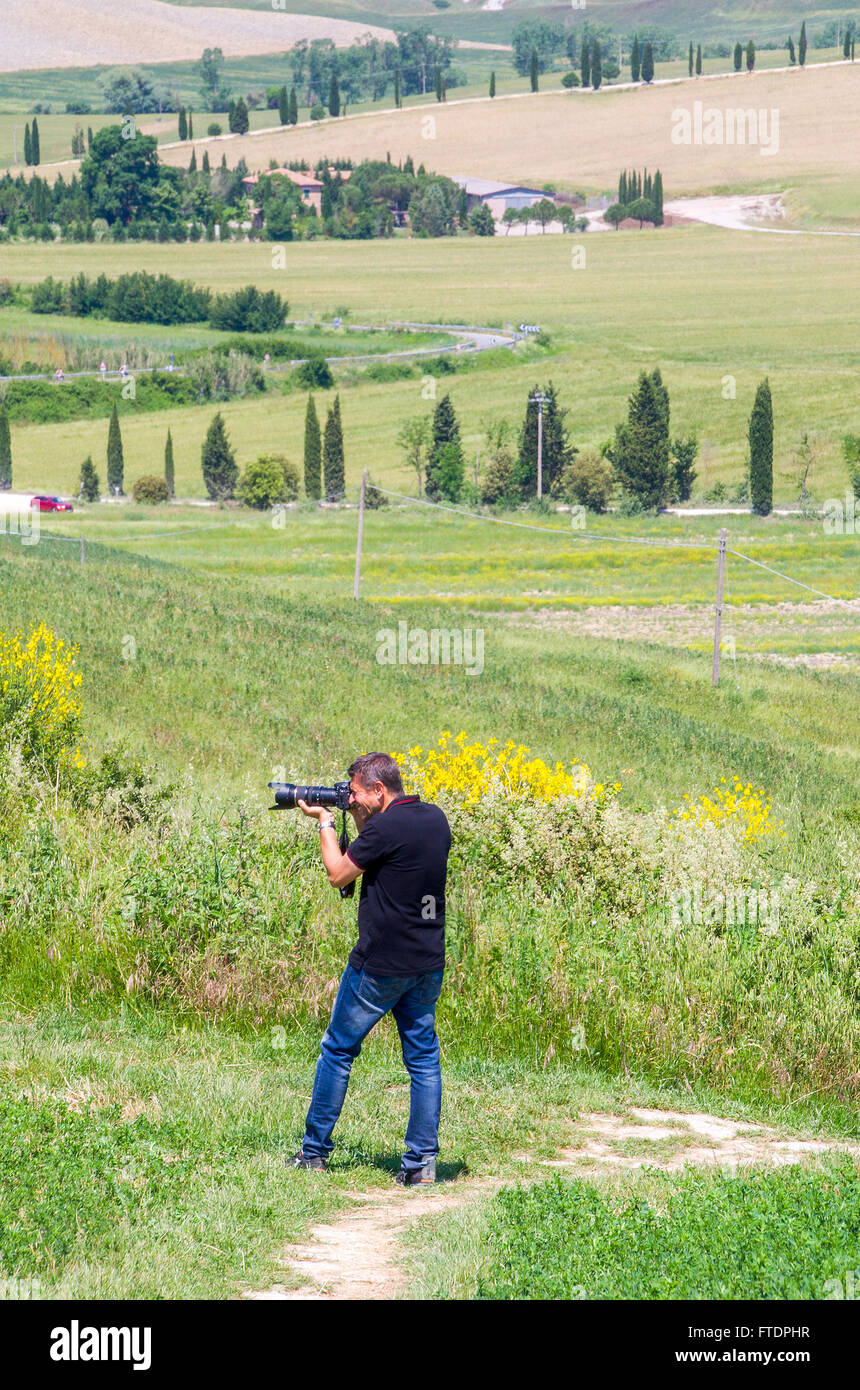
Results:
551 530
787 577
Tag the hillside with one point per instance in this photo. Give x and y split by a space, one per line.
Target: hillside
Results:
77 33
581 139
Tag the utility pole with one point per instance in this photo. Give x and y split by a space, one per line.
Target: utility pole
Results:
540 400
360 534
718 614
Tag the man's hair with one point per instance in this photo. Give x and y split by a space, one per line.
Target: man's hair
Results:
377 767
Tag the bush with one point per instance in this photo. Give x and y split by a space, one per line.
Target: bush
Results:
249 311
630 505
40 714
213 128
389 371
270 478
571 79
318 112
589 480
373 497
315 371
150 488
718 493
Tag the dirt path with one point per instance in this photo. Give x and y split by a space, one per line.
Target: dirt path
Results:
356 1255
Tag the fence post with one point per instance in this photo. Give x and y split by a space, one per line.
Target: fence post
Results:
718 614
360 534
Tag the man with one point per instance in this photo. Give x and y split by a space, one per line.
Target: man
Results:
397 963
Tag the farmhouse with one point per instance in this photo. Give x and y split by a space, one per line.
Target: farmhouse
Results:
309 187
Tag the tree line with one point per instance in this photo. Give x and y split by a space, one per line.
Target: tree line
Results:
139 297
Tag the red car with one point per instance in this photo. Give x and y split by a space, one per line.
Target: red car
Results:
50 504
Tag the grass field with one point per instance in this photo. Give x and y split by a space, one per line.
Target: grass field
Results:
718 306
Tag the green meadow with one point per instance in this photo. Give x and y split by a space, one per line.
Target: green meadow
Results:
716 310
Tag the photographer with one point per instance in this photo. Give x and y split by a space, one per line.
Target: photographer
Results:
397 963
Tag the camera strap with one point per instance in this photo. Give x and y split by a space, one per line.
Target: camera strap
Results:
343 845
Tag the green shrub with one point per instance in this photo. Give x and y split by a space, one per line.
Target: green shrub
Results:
315 371
389 371
587 479
270 478
571 79
150 488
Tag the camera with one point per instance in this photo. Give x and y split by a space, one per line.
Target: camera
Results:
289 794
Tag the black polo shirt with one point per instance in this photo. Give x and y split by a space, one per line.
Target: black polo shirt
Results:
403 851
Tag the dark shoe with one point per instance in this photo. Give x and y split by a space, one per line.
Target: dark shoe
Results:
411 1177
301 1160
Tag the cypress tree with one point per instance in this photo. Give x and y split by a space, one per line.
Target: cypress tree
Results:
445 459
596 66
333 465
192 166
89 136
533 70
635 60
640 453
114 455
846 45
206 166
750 56
801 46
622 188
661 396
5 451
438 84
690 60
739 57
294 107
28 147
190 124
648 64
313 453
333 97
585 64
398 99
168 464
220 469
646 187
183 124
89 488
34 142
657 199
761 451
283 107
493 83
792 58
699 61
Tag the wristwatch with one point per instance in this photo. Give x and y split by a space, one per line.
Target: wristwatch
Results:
326 825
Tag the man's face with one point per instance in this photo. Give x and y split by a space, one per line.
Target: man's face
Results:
371 799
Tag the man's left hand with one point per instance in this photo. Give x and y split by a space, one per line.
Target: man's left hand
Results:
316 812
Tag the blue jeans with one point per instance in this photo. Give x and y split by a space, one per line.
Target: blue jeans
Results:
362 1000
